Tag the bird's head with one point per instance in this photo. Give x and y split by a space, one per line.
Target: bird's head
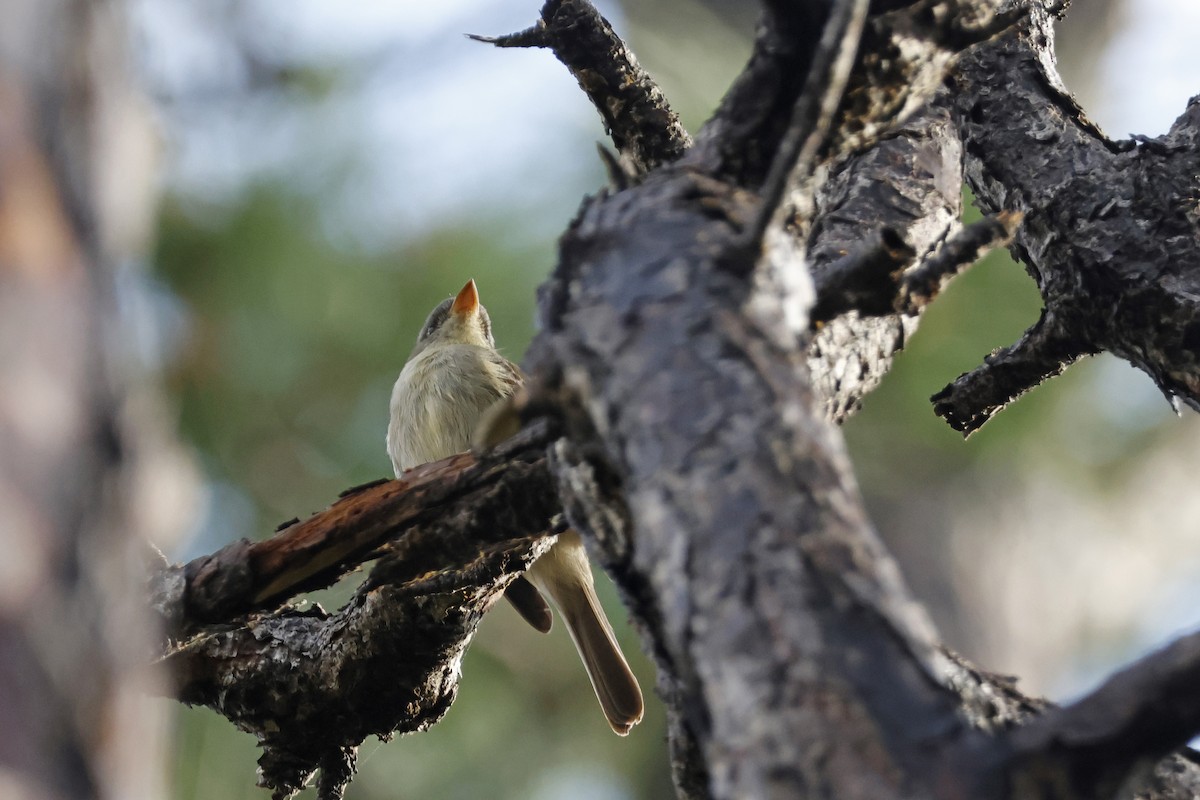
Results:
461 319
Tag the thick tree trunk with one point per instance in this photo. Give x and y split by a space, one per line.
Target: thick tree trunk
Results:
793 659
783 634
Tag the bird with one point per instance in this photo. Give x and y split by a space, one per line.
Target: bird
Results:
452 378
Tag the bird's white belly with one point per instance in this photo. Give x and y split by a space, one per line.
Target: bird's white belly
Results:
434 415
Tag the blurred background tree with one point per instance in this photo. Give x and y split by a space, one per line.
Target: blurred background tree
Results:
332 173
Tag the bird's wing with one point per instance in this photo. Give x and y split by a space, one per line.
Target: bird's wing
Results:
527 600
510 375
530 604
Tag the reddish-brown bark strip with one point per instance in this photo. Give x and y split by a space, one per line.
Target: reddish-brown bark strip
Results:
399 519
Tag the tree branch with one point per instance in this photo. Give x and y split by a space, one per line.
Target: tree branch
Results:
875 280
923 283
740 142
642 124
1123 729
402 517
1109 229
449 537
1045 350
864 280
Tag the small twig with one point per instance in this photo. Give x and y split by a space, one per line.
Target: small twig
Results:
621 174
533 36
922 284
813 113
1113 245
869 279
1044 351
863 280
636 114
337 770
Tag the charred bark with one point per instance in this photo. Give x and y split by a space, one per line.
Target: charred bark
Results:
1109 232
446 539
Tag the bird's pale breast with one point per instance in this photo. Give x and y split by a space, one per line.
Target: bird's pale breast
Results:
438 400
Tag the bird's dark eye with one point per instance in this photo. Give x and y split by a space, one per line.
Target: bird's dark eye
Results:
435 319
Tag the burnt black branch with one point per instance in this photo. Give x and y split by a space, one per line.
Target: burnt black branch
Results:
400 520
922 284
865 280
449 538
1109 230
1045 350
644 128
877 278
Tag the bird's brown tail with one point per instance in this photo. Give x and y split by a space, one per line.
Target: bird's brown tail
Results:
616 688
563 574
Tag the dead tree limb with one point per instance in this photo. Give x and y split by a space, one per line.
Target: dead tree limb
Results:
448 538
645 130
1109 232
422 520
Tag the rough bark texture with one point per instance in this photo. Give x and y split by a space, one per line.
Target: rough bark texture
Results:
414 523
1110 230
909 184
449 538
691 396
742 611
762 588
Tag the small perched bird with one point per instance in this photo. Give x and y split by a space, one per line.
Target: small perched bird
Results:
452 377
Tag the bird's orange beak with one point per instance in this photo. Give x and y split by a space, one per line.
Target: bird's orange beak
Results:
467 300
